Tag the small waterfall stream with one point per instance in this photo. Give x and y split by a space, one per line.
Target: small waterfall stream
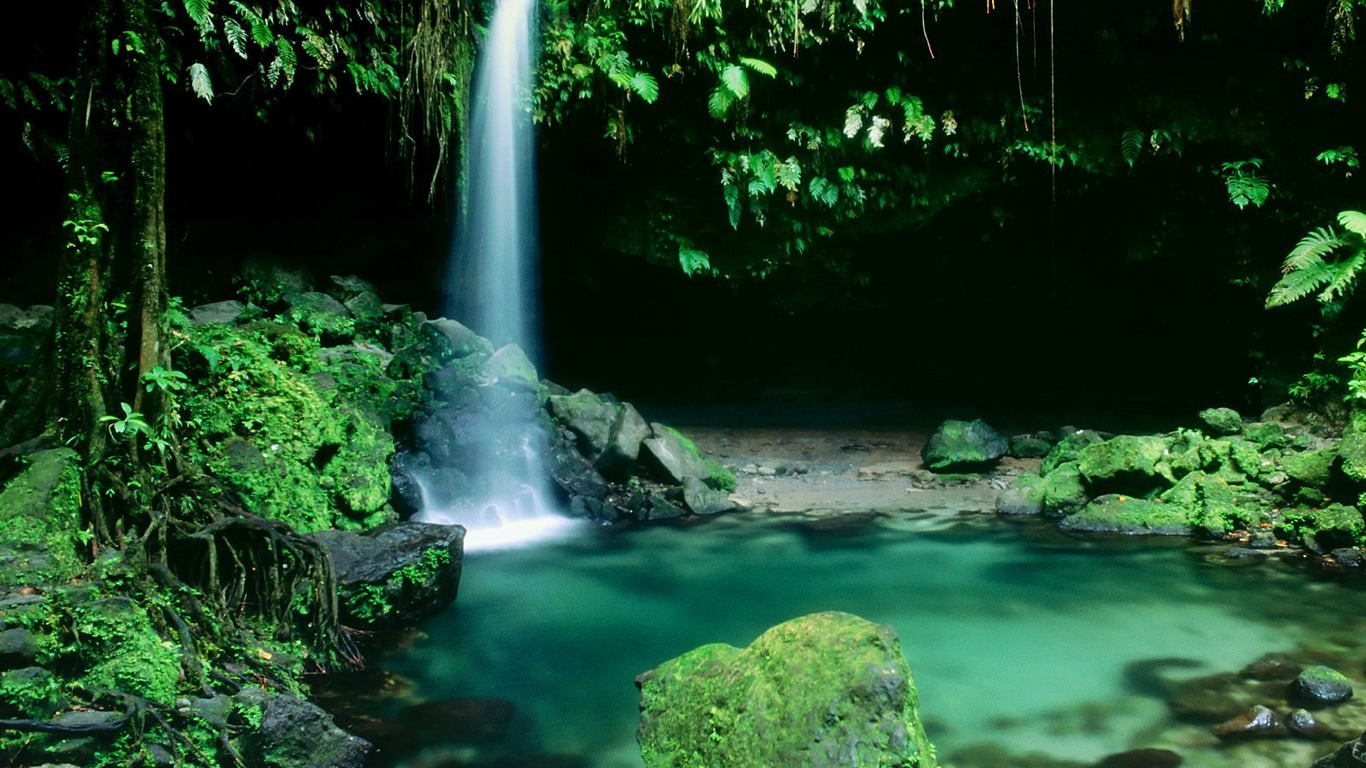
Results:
494 288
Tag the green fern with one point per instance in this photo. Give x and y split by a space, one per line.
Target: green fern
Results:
198 11
1325 261
760 66
645 86
1131 146
237 37
718 103
200 82
1244 186
735 80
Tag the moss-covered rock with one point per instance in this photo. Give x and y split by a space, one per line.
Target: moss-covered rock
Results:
1310 468
1352 449
40 521
123 650
1222 421
1024 497
1266 434
963 445
1069 448
1127 464
1114 513
1063 492
1326 529
819 691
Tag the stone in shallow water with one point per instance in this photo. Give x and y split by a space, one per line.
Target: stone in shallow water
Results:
1302 723
1321 685
1258 722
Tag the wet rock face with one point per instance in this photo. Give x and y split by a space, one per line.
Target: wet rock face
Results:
819 691
299 734
397 573
1349 755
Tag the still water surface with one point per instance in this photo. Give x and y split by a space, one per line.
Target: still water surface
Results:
1017 636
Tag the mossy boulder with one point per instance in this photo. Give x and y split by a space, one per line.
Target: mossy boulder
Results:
963 445
1063 492
1326 529
588 415
40 521
819 691
122 651
1320 685
1069 448
1222 421
1266 434
1127 464
1310 468
1352 449
395 574
296 734
1115 513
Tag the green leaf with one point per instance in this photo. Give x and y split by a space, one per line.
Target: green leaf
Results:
1131 146
1354 221
645 86
620 79
736 81
731 193
718 103
760 66
200 83
198 11
693 261
237 37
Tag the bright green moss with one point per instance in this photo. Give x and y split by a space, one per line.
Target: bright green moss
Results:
123 651
40 520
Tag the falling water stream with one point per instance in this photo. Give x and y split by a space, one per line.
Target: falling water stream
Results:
494 289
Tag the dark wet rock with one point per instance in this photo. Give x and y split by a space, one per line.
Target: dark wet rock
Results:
1221 421
1141 758
629 430
671 457
1258 722
396 573
448 340
1324 529
1302 723
1261 539
589 416
1149 678
18 648
700 499
1244 553
1113 513
1128 464
578 478
1348 557
405 476
958 446
300 734
824 690
658 507
1349 755
1319 686
1029 447
1272 666
478 719
218 312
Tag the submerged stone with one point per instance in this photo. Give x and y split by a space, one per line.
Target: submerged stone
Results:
963 445
1141 758
819 691
1259 722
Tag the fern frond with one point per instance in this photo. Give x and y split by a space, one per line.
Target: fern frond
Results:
693 261
718 103
735 80
1131 146
286 58
620 79
1343 276
760 66
645 86
1294 286
200 82
789 173
1311 249
237 37
198 11
731 193
1354 221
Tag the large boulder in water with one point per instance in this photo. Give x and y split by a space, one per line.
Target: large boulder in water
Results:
819 691
1113 513
396 573
963 445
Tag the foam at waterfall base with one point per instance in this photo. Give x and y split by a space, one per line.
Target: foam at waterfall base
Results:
496 525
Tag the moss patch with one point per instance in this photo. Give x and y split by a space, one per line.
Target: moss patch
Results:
40 519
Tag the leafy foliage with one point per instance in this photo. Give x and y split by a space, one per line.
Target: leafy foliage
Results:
1326 260
1244 185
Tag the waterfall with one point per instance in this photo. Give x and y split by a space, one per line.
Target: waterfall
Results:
494 289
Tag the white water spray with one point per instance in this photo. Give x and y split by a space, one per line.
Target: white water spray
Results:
495 290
